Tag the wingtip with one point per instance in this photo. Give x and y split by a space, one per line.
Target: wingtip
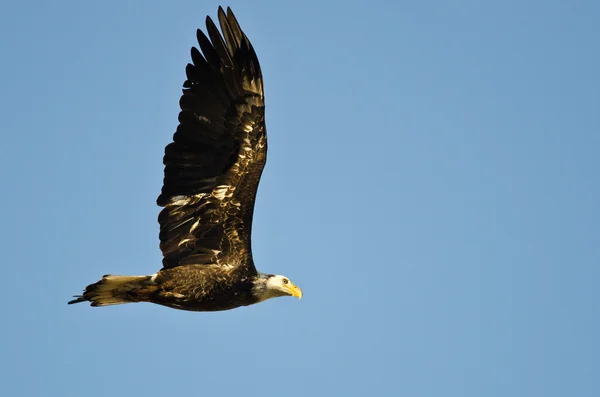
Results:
232 19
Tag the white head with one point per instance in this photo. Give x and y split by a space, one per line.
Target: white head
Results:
271 286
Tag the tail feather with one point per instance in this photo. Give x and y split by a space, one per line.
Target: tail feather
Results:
115 290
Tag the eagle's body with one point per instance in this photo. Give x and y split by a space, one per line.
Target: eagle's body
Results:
201 288
212 171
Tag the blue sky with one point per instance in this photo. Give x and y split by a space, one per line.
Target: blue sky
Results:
432 186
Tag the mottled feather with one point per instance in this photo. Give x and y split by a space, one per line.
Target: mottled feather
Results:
214 164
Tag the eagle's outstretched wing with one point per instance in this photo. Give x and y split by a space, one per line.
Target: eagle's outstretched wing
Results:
214 164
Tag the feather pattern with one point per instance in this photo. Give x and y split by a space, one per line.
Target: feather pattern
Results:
214 164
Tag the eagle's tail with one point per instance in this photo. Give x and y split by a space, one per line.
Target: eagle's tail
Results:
115 290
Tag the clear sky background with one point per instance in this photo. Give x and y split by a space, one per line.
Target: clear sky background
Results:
432 185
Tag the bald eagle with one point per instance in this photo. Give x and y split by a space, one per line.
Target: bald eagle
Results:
212 171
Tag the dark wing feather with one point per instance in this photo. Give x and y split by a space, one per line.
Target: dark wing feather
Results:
214 164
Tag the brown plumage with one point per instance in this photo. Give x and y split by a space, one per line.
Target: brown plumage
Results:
212 171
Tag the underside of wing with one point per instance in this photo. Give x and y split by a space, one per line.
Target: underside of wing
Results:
214 164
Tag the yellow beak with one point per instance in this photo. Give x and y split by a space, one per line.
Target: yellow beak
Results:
295 290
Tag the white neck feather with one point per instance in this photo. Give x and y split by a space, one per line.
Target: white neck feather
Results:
268 287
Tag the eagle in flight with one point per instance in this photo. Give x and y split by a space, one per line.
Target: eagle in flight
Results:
212 171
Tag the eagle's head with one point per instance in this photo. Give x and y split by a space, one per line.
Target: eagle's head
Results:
269 286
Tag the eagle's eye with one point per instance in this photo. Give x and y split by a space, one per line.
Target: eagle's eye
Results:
285 281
